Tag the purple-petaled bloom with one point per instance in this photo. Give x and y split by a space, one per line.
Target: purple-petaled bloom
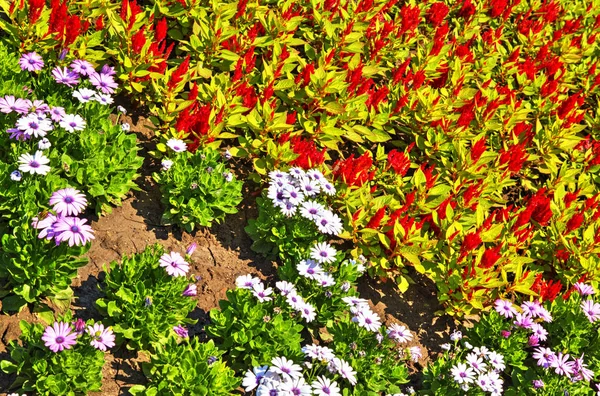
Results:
103 82
190 290
9 103
79 326
46 225
174 264
562 366
17 134
65 76
191 249
15 175
533 341
582 288
34 164
180 331
74 230
82 67
59 336
544 356
505 333
57 113
68 201
102 338
591 310
505 308
581 370
537 384
33 125
539 331
38 107
108 70
31 62
523 320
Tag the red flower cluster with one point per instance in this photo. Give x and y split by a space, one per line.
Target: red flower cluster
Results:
354 171
547 290
308 154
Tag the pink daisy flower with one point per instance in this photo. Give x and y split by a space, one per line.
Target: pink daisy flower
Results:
174 264
59 336
68 201
102 338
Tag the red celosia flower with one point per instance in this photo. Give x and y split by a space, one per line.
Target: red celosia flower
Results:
35 10
178 74
547 290
439 39
490 257
541 207
99 24
570 197
354 171
308 154
398 161
436 14
478 149
409 19
138 40
58 18
133 8
376 220
304 77
72 29
514 157
523 218
562 254
574 222
160 32
441 209
467 10
471 242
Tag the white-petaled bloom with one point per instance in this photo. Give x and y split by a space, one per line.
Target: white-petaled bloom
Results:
285 287
367 319
399 333
328 188
323 253
285 367
309 186
15 175
318 352
268 388
34 125
307 312
315 174
539 331
463 374
344 369
177 145
121 109
325 279
261 293
356 302
246 282
166 164
446 346
297 173
34 164
309 268
329 223
584 289
44 144
296 386
275 194
293 194
295 300
72 123
84 95
253 377
476 362
323 386
456 335
103 99
496 361
416 353
312 210
288 208
278 175
481 351
545 315
279 184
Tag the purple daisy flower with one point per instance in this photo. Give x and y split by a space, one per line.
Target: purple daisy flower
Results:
562 366
38 107
74 230
82 67
57 113
17 134
582 288
180 331
15 175
262 294
591 310
59 336
65 76
544 356
68 201
537 384
399 333
505 308
174 264
31 62
103 82
46 225
102 338
108 70
84 95
190 290
33 125
9 103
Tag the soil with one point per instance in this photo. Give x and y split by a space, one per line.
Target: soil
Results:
223 253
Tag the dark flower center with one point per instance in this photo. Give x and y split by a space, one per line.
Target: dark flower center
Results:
34 164
324 222
31 61
60 340
72 124
312 211
69 200
33 125
74 229
102 84
326 390
323 254
463 375
286 370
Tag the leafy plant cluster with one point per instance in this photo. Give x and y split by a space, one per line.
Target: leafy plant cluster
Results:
56 137
197 189
536 349
143 301
75 370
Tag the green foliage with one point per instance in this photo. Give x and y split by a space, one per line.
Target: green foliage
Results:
74 371
251 333
187 368
142 302
275 235
198 190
